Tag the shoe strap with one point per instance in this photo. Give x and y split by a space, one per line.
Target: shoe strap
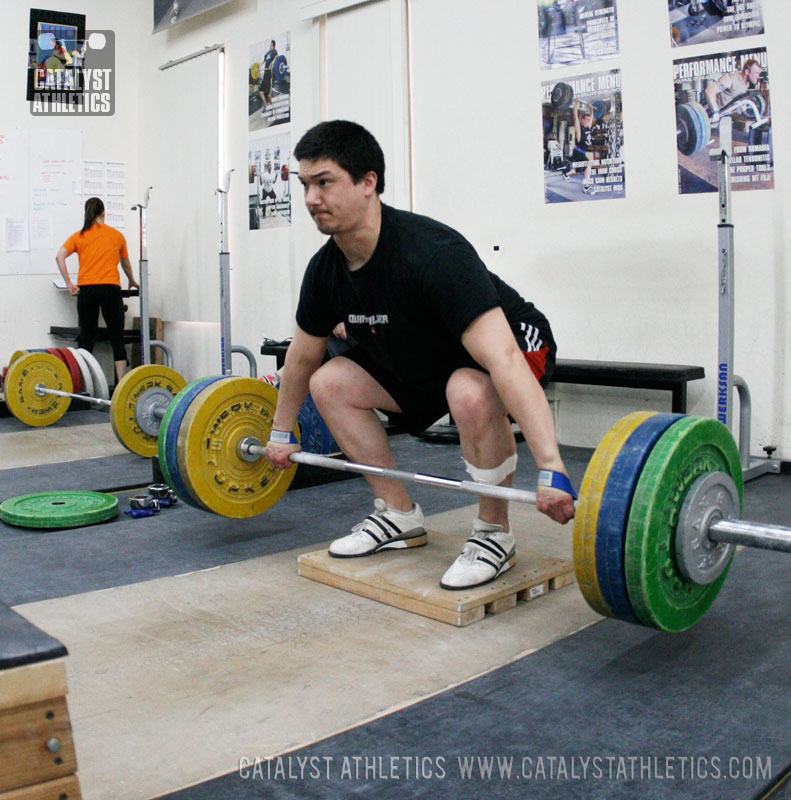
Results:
378 527
490 546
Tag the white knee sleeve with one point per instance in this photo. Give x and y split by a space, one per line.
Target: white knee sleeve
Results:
494 476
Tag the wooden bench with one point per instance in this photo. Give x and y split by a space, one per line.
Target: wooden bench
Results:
626 374
664 377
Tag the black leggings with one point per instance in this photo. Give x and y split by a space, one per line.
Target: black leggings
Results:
106 297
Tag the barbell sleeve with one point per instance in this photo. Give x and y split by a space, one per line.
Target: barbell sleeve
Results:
751 534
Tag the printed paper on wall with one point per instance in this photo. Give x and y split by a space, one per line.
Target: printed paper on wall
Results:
708 89
583 138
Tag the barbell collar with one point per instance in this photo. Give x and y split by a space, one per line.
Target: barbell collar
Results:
250 446
751 534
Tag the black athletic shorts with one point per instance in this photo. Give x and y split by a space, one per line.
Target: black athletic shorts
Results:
423 404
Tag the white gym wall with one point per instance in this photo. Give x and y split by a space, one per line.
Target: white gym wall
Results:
30 304
623 280
628 280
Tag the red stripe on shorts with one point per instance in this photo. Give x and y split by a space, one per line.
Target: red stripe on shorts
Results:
537 361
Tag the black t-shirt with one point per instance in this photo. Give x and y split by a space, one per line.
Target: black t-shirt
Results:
269 57
586 138
409 305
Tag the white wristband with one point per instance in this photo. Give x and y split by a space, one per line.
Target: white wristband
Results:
282 437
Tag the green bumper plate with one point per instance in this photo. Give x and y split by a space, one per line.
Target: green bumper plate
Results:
52 510
660 595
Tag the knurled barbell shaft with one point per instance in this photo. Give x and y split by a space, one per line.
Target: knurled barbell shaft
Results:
96 401
751 534
157 410
736 531
469 487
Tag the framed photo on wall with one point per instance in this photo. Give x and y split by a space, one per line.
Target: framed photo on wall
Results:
56 48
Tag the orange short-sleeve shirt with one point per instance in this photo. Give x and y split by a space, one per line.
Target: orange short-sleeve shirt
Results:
99 249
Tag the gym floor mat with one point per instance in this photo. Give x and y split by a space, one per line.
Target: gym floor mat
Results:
701 714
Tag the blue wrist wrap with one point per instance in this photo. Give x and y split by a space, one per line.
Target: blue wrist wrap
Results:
556 480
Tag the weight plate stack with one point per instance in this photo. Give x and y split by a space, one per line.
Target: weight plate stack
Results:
562 96
19 388
133 400
314 435
614 513
209 461
102 390
659 593
168 437
280 68
74 369
85 373
55 510
587 513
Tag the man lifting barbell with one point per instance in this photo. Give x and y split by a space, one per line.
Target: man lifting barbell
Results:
583 146
728 87
435 332
265 86
268 196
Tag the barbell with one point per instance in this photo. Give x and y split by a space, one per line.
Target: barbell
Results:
656 522
693 124
38 390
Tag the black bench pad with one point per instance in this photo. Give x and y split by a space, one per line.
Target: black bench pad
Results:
21 642
635 375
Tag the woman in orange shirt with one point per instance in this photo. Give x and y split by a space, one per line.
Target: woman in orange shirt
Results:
99 249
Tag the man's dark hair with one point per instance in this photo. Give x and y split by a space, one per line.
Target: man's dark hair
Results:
94 208
349 145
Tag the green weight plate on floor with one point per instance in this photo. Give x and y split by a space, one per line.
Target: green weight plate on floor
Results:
168 436
587 513
52 510
660 595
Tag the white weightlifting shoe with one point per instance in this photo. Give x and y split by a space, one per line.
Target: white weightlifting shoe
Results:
487 554
385 529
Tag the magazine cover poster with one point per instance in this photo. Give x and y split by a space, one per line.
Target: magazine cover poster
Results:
583 138
268 186
576 31
709 89
699 21
269 83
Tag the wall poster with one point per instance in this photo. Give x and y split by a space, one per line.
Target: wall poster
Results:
583 138
269 193
576 31
708 89
56 51
698 21
269 83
